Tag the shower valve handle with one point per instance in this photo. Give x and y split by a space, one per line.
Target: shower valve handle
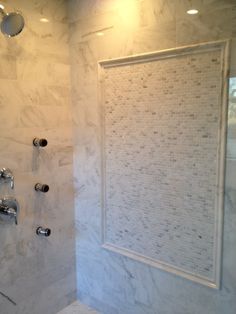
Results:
9 207
43 231
41 187
40 142
7 211
6 174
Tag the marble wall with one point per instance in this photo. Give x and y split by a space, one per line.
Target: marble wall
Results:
106 29
37 275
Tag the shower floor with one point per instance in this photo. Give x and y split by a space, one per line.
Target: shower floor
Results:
77 308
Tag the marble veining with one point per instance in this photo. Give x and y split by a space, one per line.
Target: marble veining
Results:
37 275
35 75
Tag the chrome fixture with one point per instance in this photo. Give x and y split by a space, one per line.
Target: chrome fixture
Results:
9 207
41 187
7 175
43 231
12 23
40 142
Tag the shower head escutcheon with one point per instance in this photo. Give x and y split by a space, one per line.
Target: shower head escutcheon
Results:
12 23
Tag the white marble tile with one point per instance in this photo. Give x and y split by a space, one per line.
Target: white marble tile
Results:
107 281
214 22
8 67
37 274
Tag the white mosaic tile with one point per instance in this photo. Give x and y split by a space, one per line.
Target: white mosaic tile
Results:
160 184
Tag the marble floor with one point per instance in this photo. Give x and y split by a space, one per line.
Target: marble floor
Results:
77 308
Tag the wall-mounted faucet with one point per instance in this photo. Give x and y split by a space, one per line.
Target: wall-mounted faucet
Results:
9 207
7 175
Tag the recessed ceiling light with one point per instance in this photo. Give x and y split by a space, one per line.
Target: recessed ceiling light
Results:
192 11
44 20
1 6
100 34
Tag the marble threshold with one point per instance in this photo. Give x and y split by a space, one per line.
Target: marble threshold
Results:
77 308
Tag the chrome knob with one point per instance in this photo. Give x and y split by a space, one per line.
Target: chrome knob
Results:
41 187
40 142
43 231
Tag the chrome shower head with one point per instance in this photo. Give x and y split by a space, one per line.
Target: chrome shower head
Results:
12 23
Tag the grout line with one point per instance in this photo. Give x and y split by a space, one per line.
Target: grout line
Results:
8 298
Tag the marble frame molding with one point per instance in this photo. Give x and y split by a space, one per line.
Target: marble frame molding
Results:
223 46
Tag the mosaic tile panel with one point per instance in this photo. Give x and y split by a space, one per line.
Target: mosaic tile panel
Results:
161 157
